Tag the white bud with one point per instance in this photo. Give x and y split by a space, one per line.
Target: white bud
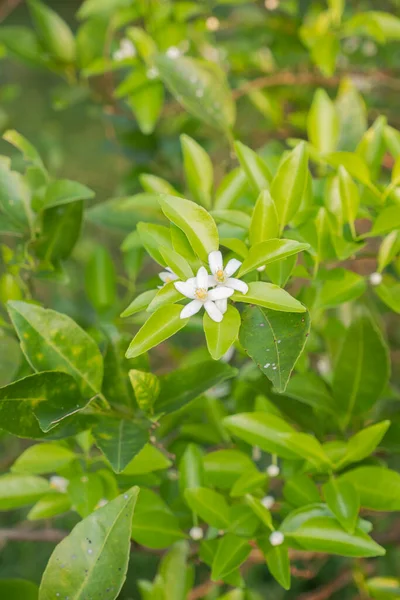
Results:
173 52
196 533
271 4
256 453
212 24
102 502
273 470
323 365
276 538
59 484
268 501
152 73
375 278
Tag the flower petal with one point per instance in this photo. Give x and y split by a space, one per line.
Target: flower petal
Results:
237 284
186 288
211 281
232 267
213 312
202 278
191 309
165 276
219 293
222 305
215 261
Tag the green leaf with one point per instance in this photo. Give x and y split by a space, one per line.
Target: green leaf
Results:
153 237
18 589
64 191
209 505
20 490
343 287
50 505
156 529
300 490
221 336
268 252
289 183
324 534
146 103
343 500
390 295
350 198
175 573
156 185
362 369
96 553
61 226
51 340
43 458
197 224
53 32
148 460
125 213
176 262
312 390
14 197
274 341
167 294
264 221
236 218
270 296
278 563
372 146
230 189
260 511
352 113
140 303
161 325
383 588
146 387
200 87
28 150
181 386
255 168
198 170
232 551
388 220
378 487
191 472
388 250
353 164
119 440
224 467
362 444
100 279
323 123
248 482
37 403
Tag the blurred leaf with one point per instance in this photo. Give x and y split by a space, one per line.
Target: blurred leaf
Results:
64 191
100 279
270 251
323 123
43 458
255 168
21 490
198 170
264 221
232 551
221 336
53 32
18 589
378 487
209 505
343 500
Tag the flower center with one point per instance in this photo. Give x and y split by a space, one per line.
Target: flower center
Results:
220 275
168 280
201 294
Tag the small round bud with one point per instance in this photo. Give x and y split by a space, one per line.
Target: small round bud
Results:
276 538
152 73
102 502
324 365
273 470
375 278
59 484
212 24
268 501
271 4
196 533
173 52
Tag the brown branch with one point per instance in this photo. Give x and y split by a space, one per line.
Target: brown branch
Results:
202 590
7 7
35 535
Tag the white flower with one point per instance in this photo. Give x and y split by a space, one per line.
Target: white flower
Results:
126 50
323 365
152 73
168 275
268 501
173 52
59 484
375 278
196 288
196 533
221 276
273 470
276 538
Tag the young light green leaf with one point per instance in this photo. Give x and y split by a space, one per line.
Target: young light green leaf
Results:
257 172
342 498
53 341
268 252
350 198
156 185
156 529
260 510
388 249
153 237
146 102
383 588
146 387
270 296
64 191
388 220
120 440
176 262
221 336
230 189
363 443
232 551
197 224
277 559
140 303
94 556
372 146
175 573
198 170
28 150
161 325
236 218
50 505
274 341
264 221
100 279
167 294
209 506
191 472
323 123
43 458
148 460
378 487
53 32
20 490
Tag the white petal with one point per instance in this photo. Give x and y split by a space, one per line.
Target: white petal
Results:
237 284
187 288
213 312
169 269
222 305
191 309
215 261
202 278
211 281
219 293
232 267
165 276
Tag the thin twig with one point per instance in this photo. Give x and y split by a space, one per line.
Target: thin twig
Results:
35 535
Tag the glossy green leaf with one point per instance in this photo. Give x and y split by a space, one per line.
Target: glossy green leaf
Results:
53 341
289 183
64 191
148 460
60 231
269 296
232 551
221 336
278 563
197 224
268 252
200 87
323 123
349 196
125 213
390 295
156 529
174 572
53 31
198 170
37 403
14 197
352 163
255 168
388 220
176 263
248 482
260 510
363 443
191 471
120 440
224 467
264 221
236 218
146 103
161 325
166 295
50 505
274 341
342 498
312 390
378 487
388 249
94 556
362 369
343 287
21 490
146 387
230 189
156 185
209 505
140 303
101 279
300 490
153 237
372 146
43 458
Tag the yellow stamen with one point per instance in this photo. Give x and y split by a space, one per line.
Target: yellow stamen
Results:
220 275
201 293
